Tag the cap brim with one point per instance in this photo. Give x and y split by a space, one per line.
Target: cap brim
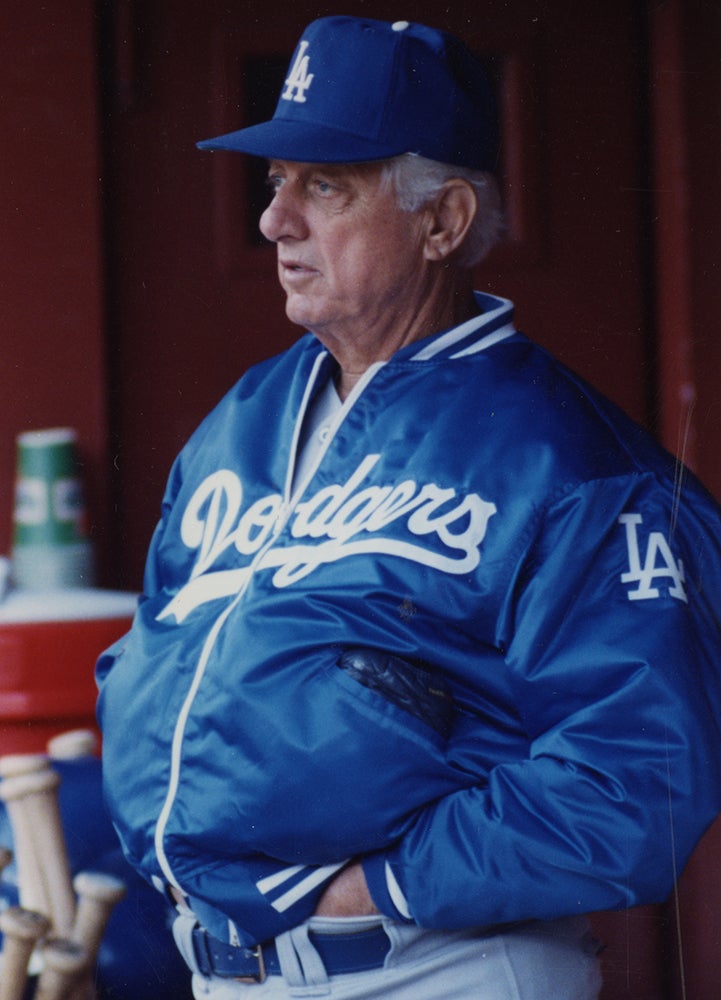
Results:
301 142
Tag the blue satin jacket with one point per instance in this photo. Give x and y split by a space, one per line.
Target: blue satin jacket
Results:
476 507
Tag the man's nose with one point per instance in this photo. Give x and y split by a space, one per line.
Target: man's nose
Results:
283 218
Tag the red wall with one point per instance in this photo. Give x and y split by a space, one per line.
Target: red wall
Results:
52 358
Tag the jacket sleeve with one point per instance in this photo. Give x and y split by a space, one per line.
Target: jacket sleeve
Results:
611 637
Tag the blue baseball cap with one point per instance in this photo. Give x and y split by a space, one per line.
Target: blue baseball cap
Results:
359 89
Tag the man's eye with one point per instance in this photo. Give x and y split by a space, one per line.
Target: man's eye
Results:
273 182
323 187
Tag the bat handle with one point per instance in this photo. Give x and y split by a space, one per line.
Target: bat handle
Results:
21 929
30 884
97 894
12 764
73 745
64 963
12 767
32 803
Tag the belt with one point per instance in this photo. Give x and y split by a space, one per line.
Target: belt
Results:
340 953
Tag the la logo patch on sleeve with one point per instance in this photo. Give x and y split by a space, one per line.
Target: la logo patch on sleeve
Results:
658 564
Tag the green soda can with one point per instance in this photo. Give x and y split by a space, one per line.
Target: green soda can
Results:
51 548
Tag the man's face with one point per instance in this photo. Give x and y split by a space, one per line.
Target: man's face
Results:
349 259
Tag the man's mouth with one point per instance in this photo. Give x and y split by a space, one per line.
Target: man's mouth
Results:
292 268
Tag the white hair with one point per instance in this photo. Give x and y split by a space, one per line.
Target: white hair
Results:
417 181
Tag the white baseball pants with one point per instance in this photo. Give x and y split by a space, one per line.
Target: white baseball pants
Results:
555 959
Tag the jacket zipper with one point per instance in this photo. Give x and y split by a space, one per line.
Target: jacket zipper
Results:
284 514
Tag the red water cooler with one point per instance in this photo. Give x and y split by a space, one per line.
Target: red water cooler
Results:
49 642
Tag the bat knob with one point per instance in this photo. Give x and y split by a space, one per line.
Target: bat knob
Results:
26 925
99 887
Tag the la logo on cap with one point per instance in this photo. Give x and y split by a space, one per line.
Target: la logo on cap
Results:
299 79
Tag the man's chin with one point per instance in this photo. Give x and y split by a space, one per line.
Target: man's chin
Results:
300 314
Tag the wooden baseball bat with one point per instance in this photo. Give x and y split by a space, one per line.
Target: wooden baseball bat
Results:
31 888
21 929
97 894
32 803
73 744
64 962
22 763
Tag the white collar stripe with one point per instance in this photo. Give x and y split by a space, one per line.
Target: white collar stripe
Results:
488 341
487 323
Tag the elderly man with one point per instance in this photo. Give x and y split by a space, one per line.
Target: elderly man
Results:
427 661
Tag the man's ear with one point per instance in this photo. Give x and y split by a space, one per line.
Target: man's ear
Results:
450 217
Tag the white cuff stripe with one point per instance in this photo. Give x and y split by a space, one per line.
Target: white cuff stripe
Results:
308 884
396 894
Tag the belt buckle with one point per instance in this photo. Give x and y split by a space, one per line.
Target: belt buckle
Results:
261 975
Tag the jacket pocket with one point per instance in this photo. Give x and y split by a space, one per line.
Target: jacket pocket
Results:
413 686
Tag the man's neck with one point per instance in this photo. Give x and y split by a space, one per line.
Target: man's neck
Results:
352 368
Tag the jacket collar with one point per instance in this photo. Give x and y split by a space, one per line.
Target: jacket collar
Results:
493 324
